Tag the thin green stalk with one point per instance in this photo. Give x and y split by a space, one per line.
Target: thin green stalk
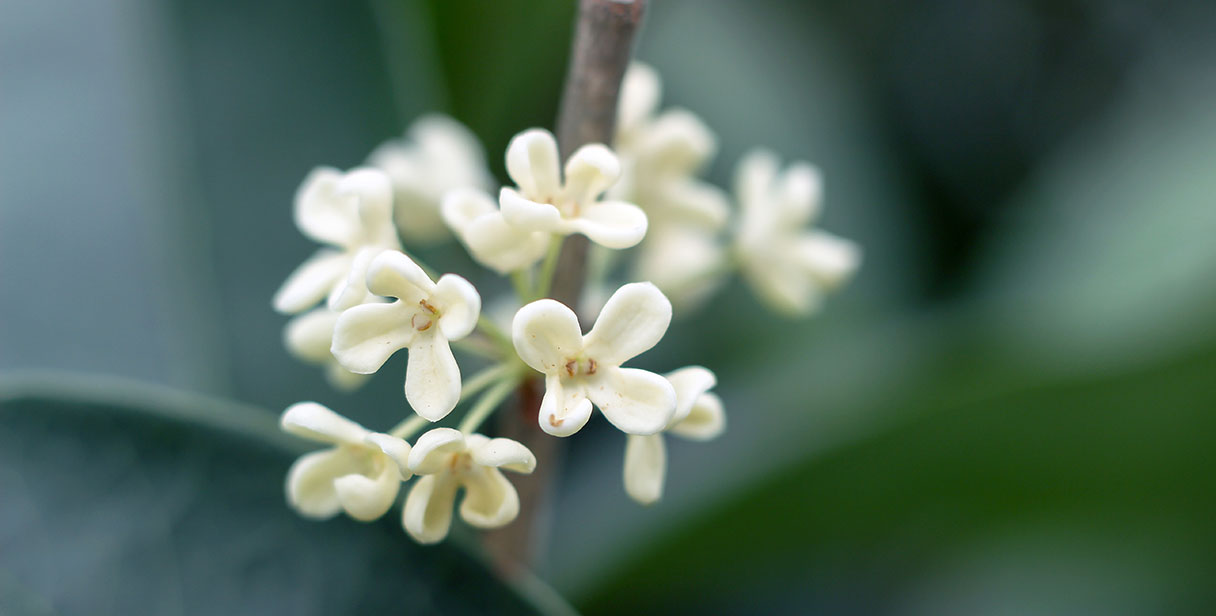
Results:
523 286
408 427
545 279
483 379
486 405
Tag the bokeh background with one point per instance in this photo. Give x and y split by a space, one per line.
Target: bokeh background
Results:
1012 410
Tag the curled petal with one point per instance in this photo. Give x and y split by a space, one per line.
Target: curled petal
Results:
532 162
462 206
428 508
565 408
645 467
633 320
310 482
501 453
635 401
397 450
640 93
611 224
546 335
830 260
324 215
367 498
432 377
372 191
502 247
490 501
365 336
309 335
589 172
314 421
460 304
689 383
432 450
706 420
393 274
526 214
352 290
311 282
754 178
678 143
799 191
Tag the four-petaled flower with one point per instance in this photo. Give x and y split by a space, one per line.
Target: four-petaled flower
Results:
698 416
351 213
790 267
425 317
360 474
449 460
580 370
543 202
475 218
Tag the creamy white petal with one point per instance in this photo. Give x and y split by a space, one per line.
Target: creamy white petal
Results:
635 401
314 421
526 214
324 215
502 247
462 206
589 172
830 260
310 482
694 203
501 453
799 191
311 281
640 93
366 336
705 421
689 383
533 163
393 274
677 143
490 501
396 449
309 335
427 515
612 224
352 290
433 449
754 179
546 335
783 285
459 304
565 407
645 467
372 191
432 377
367 498
634 320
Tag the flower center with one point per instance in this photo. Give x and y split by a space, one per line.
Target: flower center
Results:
460 464
425 318
580 366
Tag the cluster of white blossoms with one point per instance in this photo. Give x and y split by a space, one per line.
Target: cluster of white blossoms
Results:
362 298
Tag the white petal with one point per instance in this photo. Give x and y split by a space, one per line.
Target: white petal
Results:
565 408
396 449
612 224
640 93
706 420
645 467
352 290
532 162
314 421
393 274
490 501
372 191
526 214
459 305
433 449
781 283
367 498
309 335
635 401
693 203
546 335
634 320
312 281
689 383
365 336
322 214
501 453
432 377
428 508
502 247
830 260
589 172
799 191
678 143
462 206
754 178
310 482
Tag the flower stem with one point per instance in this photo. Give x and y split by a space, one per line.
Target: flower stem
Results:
544 282
486 405
409 426
523 286
484 379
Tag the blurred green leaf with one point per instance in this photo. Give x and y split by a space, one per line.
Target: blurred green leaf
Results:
134 500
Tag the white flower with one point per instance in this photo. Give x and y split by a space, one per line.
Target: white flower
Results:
309 336
580 370
360 474
543 202
425 317
450 460
789 266
494 243
351 213
661 154
686 263
698 416
437 154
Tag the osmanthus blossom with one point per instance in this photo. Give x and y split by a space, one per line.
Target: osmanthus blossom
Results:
475 218
309 336
447 461
543 201
351 213
437 154
687 264
425 317
581 370
699 416
360 474
789 266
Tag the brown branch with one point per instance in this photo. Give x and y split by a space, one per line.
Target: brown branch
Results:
603 43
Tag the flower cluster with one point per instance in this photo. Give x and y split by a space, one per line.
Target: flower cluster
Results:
362 298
